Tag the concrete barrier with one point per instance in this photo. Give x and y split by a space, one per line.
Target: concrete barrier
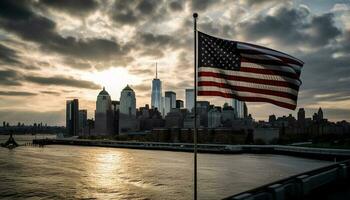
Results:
304 185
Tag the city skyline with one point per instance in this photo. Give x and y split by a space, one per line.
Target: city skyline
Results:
88 47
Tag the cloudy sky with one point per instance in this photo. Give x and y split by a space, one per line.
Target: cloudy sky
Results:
51 51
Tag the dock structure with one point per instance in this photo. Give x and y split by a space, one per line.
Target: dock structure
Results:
10 143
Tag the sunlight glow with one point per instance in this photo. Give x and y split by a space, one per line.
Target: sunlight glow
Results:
114 79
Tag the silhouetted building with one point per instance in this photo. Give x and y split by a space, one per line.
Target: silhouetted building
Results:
245 110
238 107
174 119
127 110
103 114
179 104
172 97
72 117
214 118
272 119
189 99
82 120
301 116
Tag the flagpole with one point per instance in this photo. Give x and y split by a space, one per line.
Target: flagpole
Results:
195 15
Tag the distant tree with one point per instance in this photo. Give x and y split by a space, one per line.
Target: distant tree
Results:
3 123
7 124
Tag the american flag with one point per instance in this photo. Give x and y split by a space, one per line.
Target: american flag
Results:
247 72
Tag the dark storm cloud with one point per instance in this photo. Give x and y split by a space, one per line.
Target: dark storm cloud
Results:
9 78
201 5
75 7
50 93
7 55
134 11
16 93
29 23
325 77
62 81
290 26
176 5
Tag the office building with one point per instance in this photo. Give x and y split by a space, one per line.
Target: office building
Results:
103 114
127 110
156 96
172 96
72 117
189 99
179 104
238 107
82 120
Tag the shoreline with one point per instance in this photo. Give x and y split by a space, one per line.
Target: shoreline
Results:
306 152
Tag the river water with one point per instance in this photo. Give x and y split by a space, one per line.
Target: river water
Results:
76 172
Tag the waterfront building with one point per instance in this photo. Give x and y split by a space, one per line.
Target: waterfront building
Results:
174 119
245 111
115 111
82 120
301 116
72 117
179 103
214 118
127 110
189 99
103 114
202 111
156 96
238 107
172 96
149 118
167 105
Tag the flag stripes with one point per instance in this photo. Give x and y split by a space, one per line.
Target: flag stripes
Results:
247 72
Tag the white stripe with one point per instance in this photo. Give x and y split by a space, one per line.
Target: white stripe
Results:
270 67
250 85
246 94
267 51
250 75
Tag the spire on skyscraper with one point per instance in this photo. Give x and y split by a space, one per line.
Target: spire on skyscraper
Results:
156 71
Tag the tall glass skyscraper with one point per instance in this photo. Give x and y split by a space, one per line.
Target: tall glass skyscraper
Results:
156 98
238 107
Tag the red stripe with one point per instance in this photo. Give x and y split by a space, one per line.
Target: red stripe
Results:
250 80
248 89
247 99
269 72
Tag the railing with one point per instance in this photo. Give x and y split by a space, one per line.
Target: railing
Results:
299 186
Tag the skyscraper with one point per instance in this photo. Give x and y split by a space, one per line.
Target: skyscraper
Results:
172 96
301 115
82 120
167 105
103 113
189 99
238 107
127 110
179 104
72 117
156 96
128 102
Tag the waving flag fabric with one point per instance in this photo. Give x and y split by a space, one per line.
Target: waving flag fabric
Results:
247 72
